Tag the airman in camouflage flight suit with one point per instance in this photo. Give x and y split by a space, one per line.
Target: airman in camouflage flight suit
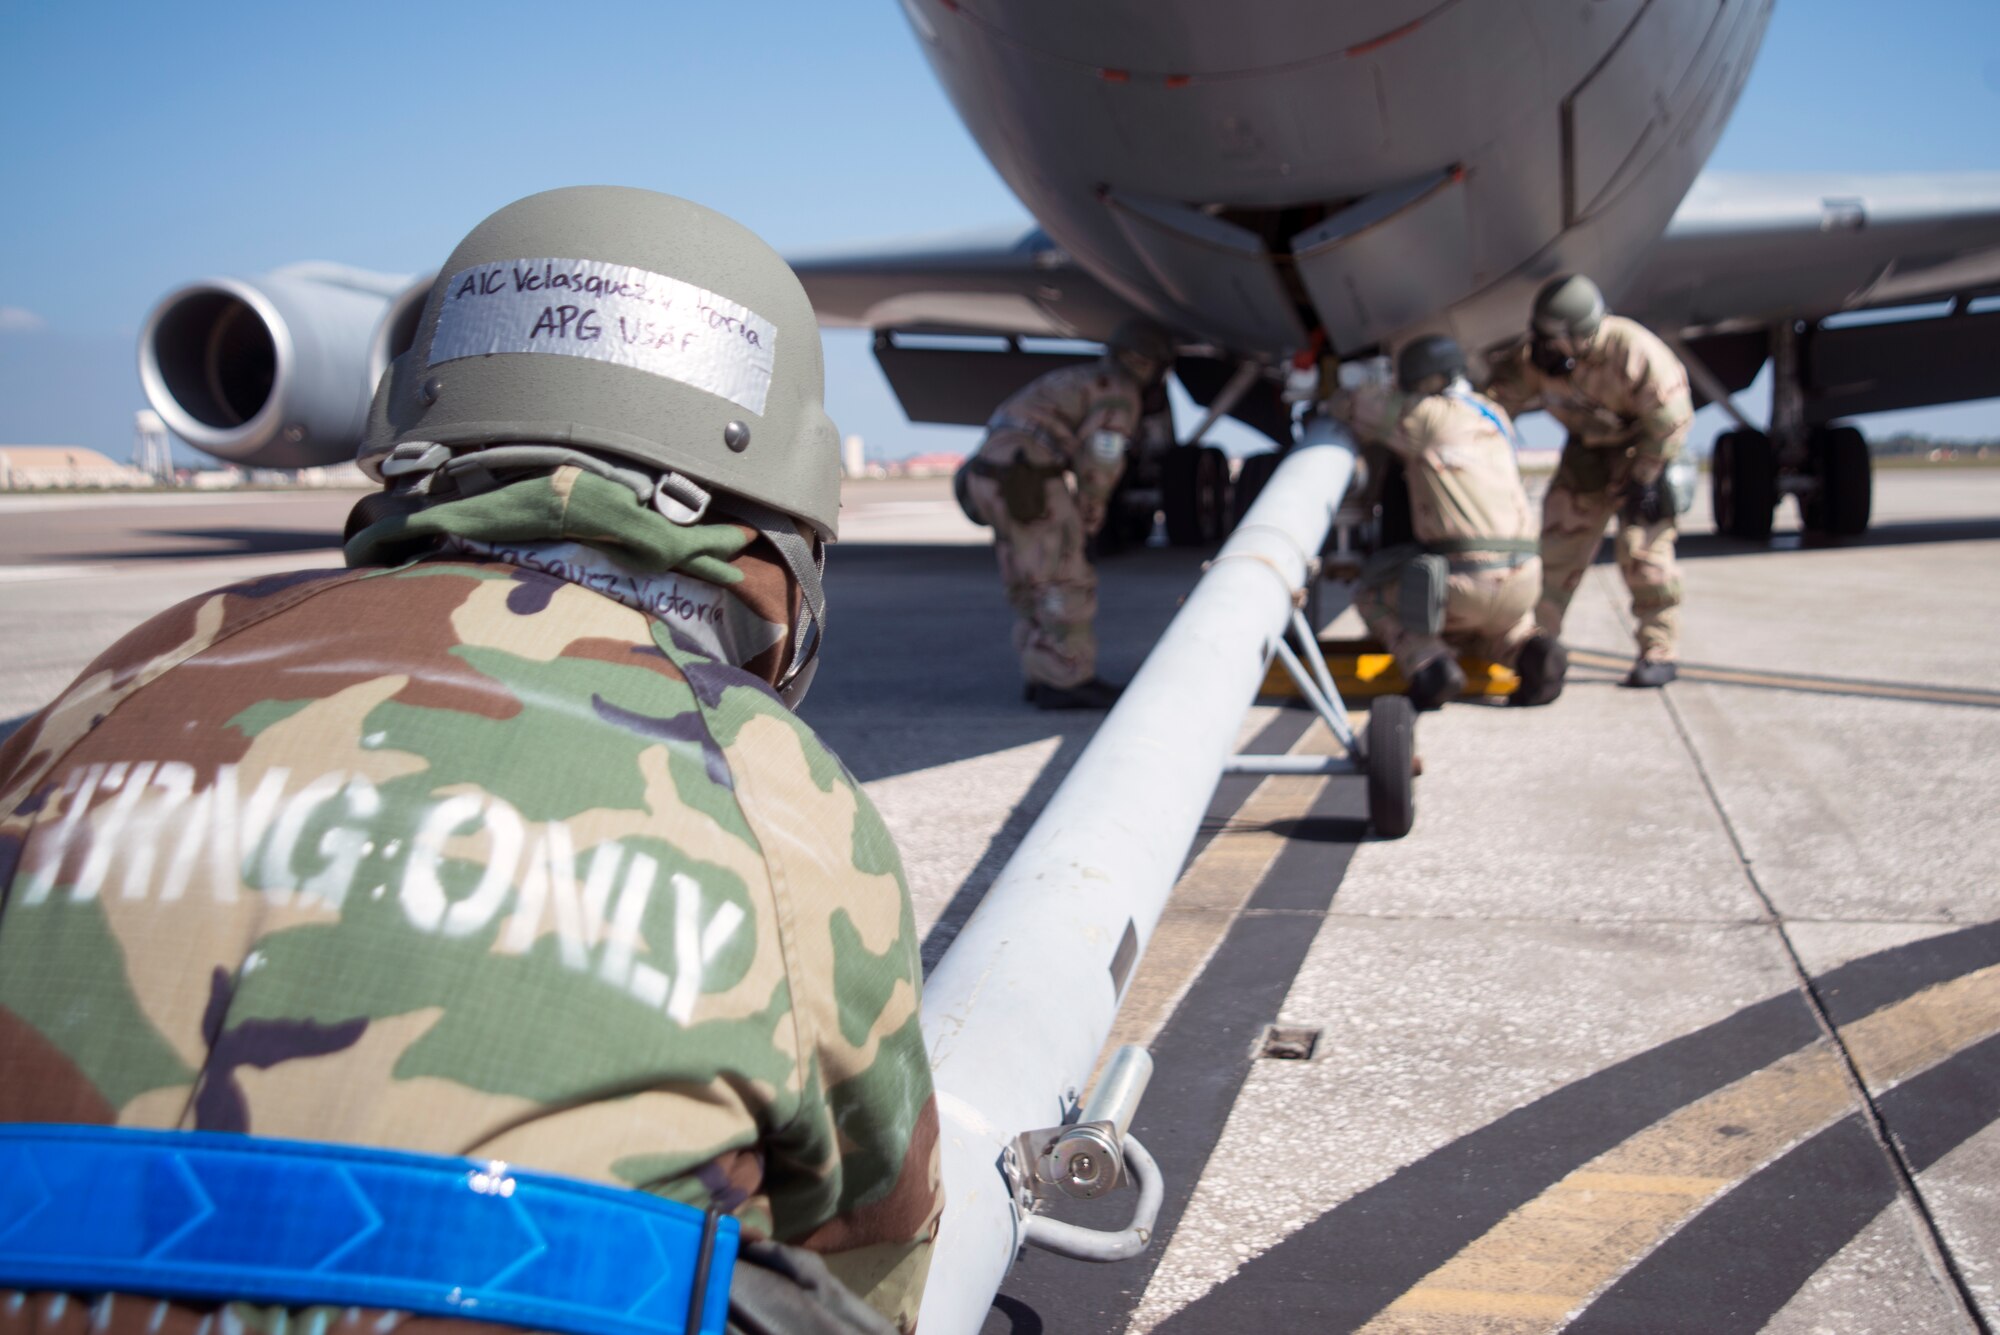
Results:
1623 396
1078 420
502 841
1470 516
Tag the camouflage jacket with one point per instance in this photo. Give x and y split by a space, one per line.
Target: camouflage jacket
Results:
1628 393
461 856
1080 418
1464 482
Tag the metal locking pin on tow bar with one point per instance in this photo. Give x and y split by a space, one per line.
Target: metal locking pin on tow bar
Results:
1088 1157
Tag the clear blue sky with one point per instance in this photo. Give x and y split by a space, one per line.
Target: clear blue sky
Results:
146 144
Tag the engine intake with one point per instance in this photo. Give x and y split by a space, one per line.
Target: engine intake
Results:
276 371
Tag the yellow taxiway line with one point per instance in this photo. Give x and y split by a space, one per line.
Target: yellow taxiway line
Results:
1547 1260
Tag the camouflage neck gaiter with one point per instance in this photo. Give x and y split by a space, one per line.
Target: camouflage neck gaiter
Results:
717 587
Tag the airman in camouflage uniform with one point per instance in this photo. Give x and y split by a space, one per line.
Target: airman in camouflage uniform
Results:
1468 511
500 842
1623 396
1075 421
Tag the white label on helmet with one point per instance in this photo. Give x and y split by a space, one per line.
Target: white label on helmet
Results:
609 313
1108 446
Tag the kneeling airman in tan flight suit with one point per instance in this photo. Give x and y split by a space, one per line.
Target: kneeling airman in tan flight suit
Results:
1624 398
1471 582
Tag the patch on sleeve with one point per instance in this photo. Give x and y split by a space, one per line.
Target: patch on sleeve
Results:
609 313
1107 447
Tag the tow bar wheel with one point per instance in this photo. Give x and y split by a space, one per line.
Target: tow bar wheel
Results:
1392 763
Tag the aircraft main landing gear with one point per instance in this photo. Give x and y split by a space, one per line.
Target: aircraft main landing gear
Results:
1845 491
1251 476
1825 465
1194 495
1743 484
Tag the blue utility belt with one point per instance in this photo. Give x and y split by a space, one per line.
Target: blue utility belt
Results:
202 1215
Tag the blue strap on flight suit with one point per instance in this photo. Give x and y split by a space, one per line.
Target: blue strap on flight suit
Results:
1472 401
208 1216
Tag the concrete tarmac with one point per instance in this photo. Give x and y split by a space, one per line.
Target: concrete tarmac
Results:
1678 1010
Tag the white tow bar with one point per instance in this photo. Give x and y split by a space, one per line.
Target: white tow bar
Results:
1019 1008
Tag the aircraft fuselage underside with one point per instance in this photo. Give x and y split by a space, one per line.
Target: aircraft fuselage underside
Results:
1367 169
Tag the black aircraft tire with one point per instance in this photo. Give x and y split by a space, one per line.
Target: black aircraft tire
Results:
1846 482
1392 761
1194 483
1250 480
1397 526
1743 484
1126 525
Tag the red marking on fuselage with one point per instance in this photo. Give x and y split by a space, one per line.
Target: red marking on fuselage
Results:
1376 44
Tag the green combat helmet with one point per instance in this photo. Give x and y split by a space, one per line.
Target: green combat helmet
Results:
1142 348
1422 359
1568 313
601 325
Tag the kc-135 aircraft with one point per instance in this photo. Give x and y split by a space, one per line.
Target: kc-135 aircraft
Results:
1256 174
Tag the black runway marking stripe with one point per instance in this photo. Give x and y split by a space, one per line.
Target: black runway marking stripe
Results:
1874 981
1933 1113
1340 1270
1737 1264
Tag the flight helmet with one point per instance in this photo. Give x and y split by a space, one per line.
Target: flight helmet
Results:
1142 348
1568 312
610 326
1425 358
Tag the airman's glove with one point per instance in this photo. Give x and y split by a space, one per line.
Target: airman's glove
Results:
1647 502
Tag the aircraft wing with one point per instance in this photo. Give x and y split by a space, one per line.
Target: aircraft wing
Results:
1744 252
1005 283
1005 280
1748 249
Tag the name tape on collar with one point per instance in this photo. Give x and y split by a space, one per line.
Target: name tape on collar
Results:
609 313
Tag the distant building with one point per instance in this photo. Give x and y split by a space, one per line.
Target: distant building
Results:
45 467
853 457
927 465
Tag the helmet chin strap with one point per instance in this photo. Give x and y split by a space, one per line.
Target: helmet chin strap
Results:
807 562
414 468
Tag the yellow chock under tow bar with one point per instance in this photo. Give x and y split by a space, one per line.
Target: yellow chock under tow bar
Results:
1363 670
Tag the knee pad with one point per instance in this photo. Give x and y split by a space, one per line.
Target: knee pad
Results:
1065 603
1656 597
1420 594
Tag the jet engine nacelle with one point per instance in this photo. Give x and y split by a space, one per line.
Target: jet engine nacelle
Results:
277 371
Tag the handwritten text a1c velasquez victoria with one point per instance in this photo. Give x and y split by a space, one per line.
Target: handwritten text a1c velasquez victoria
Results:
611 313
